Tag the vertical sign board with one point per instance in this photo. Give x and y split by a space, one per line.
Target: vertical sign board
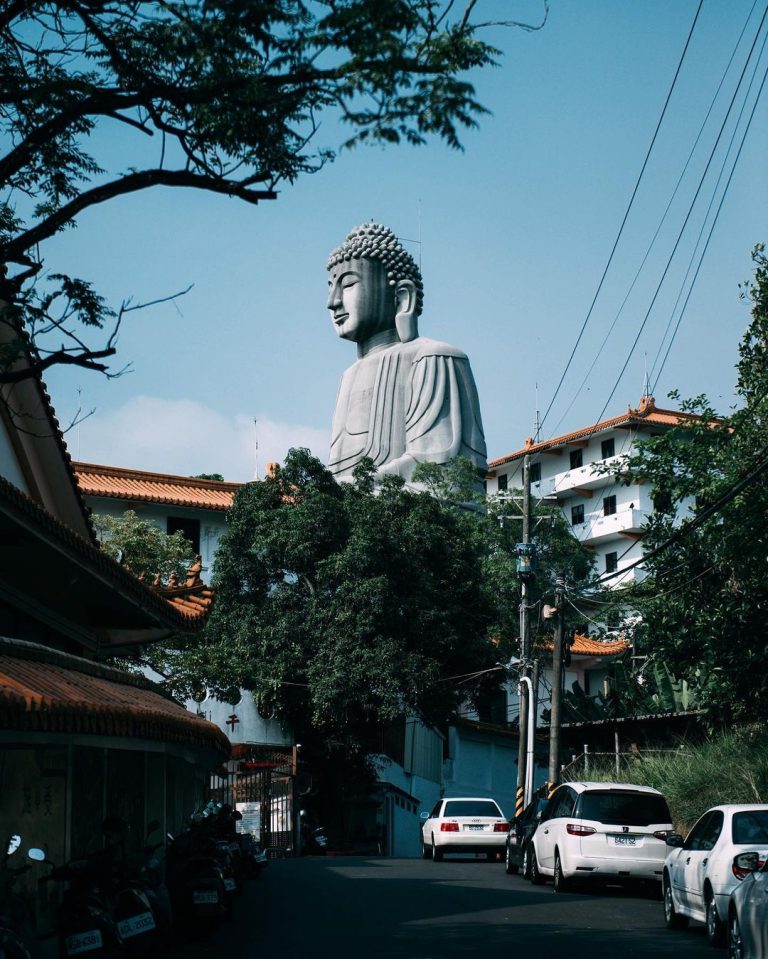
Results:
251 821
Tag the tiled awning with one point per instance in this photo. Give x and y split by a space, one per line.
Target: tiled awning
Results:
45 690
142 486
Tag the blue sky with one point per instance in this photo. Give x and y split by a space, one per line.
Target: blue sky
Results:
515 233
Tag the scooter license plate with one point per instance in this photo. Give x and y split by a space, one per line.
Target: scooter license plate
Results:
205 898
81 942
136 925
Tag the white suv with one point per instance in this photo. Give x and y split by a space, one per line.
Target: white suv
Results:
608 831
463 825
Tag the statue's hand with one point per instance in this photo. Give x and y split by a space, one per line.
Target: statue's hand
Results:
402 466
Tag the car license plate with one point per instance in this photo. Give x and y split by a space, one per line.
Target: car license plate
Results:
83 942
475 827
201 898
230 885
625 840
136 925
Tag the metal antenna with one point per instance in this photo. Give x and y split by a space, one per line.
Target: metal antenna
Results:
256 448
79 418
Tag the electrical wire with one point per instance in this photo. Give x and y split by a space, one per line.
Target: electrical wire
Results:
753 473
625 218
687 218
636 277
712 227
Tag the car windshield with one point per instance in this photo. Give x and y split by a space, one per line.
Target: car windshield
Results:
623 808
472 807
750 827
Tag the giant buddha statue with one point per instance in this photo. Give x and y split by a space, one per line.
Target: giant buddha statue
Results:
408 399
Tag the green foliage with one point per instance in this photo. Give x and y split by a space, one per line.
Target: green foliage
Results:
143 547
343 606
232 93
557 550
731 767
704 604
210 476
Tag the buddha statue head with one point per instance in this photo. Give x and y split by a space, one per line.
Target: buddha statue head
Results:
374 286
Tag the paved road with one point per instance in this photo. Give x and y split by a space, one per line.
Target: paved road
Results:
358 908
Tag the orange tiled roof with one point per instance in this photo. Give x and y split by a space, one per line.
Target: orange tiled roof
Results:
587 646
118 483
647 413
182 607
43 689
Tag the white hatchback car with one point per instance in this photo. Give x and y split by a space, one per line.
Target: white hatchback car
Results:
601 831
748 909
459 824
699 872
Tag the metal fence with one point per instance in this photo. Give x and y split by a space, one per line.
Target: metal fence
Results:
260 785
598 765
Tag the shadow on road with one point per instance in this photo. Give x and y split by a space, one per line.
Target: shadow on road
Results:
359 908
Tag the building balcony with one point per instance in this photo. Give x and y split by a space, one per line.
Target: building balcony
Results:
626 521
583 479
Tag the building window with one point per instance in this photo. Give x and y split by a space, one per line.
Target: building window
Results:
503 480
608 449
609 505
535 472
189 527
611 562
577 515
576 459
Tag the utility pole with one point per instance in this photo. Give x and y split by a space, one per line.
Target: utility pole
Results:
555 718
521 798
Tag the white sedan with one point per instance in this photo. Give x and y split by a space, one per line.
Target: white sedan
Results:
463 825
699 872
748 909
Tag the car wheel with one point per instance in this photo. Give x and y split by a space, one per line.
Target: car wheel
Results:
735 944
511 868
426 852
561 883
536 877
527 862
437 855
672 918
715 925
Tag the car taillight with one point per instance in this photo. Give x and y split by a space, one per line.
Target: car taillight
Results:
662 834
501 827
449 827
740 873
573 830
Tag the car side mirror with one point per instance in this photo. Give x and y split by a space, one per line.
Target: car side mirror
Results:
748 861
424 816
675 840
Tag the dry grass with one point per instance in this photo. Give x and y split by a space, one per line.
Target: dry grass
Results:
728 768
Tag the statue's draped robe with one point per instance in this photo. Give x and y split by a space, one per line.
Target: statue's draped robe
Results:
409 402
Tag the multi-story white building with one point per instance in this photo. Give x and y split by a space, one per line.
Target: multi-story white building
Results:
606 513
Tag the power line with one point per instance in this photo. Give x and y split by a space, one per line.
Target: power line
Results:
687 218
636 277
753 473
624 220
714 222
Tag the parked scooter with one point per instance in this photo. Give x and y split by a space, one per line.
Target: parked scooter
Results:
14 931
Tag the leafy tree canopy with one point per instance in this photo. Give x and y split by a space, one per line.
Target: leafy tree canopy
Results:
143 547
219 95
705 604
210 476
341 607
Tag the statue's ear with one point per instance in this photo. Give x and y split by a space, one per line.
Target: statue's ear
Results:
406 320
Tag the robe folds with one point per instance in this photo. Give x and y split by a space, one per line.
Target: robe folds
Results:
405 404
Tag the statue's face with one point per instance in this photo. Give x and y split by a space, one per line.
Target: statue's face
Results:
360 299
